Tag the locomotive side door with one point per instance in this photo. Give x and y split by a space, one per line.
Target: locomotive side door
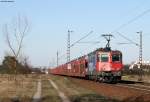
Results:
91 63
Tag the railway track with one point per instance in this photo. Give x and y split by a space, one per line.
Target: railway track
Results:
125 91
140 87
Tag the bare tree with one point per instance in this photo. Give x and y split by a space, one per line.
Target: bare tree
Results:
24 60
15 34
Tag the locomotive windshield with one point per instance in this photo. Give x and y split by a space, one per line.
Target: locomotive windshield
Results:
104 57
116 57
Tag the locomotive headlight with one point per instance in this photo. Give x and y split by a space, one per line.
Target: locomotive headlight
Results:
119 73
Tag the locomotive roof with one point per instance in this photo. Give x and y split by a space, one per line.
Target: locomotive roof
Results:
103 50
107 49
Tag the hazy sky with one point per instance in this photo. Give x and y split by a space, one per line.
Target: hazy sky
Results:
50 20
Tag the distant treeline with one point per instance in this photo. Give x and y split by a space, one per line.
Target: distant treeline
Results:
145 70
12 66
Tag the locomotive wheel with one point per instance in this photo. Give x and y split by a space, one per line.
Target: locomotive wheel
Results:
96 78
87 77
101 79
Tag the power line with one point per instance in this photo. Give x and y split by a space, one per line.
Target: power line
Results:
123 43
132 42
91 46
81 38
69 46
116 30
129 22
132 20
89 42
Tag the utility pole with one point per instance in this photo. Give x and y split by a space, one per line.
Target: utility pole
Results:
140 55
57 58
107 37
68 46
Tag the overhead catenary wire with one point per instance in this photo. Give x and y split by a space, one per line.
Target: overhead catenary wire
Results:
132 20
117 30
77 42
91 46
81 39
129 22
86 42
131 42
126 24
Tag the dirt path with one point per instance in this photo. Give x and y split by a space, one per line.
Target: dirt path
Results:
61 94
37 95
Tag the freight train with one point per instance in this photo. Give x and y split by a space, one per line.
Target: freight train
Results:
103 65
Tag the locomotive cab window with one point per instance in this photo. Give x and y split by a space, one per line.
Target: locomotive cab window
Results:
104 58
116 57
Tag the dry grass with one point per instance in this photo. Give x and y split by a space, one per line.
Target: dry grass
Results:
20 87
49 94
145 78
77 93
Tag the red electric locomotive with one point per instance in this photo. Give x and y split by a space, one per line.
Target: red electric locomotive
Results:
103 64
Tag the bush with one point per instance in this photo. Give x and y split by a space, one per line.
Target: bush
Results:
11 66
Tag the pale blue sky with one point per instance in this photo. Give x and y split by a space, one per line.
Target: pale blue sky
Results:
50 20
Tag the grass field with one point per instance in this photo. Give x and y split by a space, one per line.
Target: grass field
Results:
77 93
145 78
49 94
22 88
